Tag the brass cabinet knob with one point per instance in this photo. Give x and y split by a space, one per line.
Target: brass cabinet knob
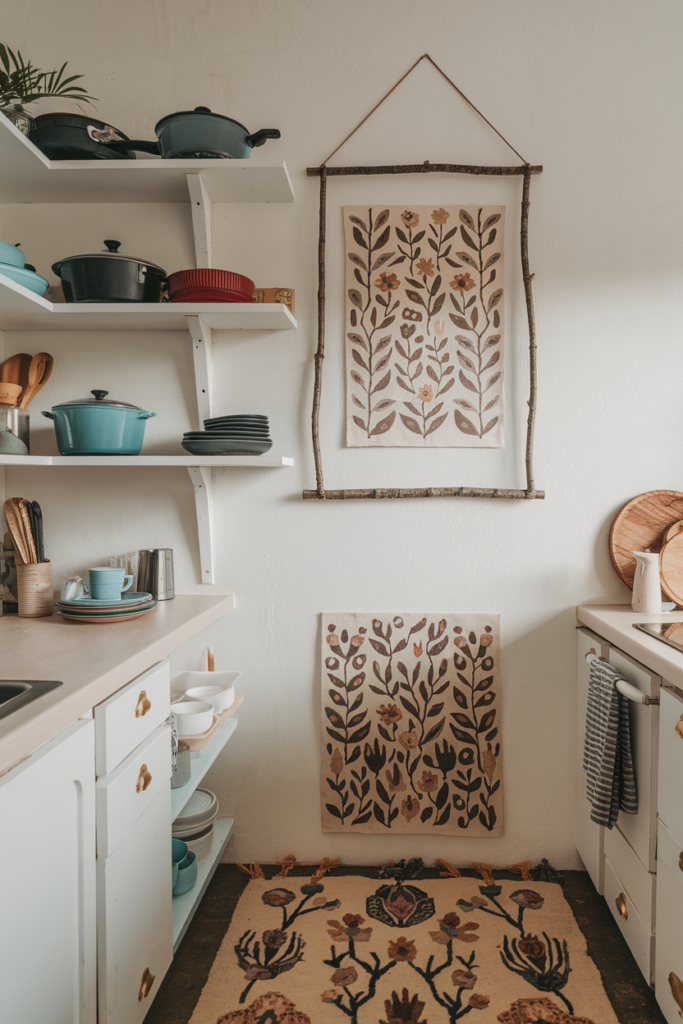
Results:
676 986
143 705
621 905
144 779
146 983
680 862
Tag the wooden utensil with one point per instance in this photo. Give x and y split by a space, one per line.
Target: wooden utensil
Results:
672 531
640 525
38 376
671 569
9 393
28 530
210 661
15 369
16 529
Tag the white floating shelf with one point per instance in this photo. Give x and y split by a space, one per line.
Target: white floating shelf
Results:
185 906
22 310
201 761
212 461
27 176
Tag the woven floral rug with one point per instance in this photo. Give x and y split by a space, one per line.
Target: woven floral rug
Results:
404 950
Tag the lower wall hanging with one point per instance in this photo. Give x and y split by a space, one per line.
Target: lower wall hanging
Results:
411 724
425 341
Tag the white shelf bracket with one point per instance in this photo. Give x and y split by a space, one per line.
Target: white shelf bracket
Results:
201 337
200 204
203 497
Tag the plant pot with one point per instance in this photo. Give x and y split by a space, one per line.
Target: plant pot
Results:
110 277
98 427
76 137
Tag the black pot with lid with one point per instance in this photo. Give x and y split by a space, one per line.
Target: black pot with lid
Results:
77 137
110 276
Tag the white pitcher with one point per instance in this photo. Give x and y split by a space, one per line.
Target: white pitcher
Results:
647 591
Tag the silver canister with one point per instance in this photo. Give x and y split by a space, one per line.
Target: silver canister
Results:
155 573
17 422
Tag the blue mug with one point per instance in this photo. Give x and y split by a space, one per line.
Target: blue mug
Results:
108 583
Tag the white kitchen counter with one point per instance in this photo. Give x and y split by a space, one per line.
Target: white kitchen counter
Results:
91 661
614 622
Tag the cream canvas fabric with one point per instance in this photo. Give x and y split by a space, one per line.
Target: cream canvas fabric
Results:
354 950
424 327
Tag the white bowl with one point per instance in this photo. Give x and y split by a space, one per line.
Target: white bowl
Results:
202 845
222 684
221 697
192 717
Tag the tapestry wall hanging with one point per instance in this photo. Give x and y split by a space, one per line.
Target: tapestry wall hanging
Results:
411 708
424 326
357 950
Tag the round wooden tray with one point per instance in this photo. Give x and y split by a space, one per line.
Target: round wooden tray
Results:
640 525
671 569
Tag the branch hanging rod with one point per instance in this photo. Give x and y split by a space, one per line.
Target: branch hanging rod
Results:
424 492
425 168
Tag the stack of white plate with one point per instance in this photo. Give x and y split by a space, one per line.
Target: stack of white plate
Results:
195 824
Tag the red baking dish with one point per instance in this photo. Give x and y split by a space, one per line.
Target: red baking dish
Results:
209 285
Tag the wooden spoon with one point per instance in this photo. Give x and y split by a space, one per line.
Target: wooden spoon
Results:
15 527
15 369
38 375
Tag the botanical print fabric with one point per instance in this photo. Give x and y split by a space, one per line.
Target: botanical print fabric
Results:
411 724
356 950
424 326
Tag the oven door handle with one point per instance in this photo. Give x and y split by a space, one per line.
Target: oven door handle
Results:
627 689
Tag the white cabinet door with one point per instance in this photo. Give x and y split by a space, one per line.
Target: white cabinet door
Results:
641 829
47 896
589 836
669 959
670 804
134 916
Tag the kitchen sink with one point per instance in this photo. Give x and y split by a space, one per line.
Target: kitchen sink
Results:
17 693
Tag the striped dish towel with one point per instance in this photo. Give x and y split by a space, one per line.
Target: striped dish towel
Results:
611 783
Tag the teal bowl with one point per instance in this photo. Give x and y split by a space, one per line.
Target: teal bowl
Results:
178 854
187 873
27 278
11 254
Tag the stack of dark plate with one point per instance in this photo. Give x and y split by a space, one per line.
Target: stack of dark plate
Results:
230 435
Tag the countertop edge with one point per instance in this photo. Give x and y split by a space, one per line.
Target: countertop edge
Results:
615 624
37 725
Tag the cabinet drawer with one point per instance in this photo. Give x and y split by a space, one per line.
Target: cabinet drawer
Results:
134 925
669 963
639 938
638 883
125 795
670 852
670 805
126 719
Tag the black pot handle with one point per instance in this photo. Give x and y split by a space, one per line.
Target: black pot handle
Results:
259 137
126 145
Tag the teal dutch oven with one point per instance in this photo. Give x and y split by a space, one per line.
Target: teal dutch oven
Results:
99 426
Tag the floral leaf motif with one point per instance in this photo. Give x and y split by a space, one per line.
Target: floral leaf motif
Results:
400 906
493 380
493 340
357 260
382 240
490 425
467 240
358 379
358 358
383 217
355 297
490 405
492 361
359 422
414 297
466 258
466 219
383 259
463 424
383 425
490 221
384 404
491 260
382 343
459 321
467 384
357 220
465 361
411 408
357 340
464 404
411 424
495 299
359 238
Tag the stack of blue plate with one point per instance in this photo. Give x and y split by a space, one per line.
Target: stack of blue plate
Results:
89 609
230 435
13 265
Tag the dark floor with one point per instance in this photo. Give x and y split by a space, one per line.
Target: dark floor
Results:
631 997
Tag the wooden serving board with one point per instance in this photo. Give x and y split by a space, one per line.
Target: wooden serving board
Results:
200 741
639 526
671 569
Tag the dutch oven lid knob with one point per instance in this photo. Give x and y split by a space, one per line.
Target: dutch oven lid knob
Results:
202 110
100 395
112 245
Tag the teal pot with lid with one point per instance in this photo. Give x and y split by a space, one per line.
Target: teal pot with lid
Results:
99 426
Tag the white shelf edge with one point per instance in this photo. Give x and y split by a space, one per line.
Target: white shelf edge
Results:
185 906
201 764
136 461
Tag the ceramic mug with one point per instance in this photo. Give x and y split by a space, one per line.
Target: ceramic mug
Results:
108 583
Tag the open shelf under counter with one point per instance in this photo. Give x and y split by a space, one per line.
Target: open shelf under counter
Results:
185 906
22 310
185 461
27 176
200 762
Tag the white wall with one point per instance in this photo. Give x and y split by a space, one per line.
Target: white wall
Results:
591 91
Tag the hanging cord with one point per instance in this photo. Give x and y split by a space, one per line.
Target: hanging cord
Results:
425 56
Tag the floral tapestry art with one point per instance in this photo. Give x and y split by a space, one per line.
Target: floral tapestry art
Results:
411 726
424 326
348 950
